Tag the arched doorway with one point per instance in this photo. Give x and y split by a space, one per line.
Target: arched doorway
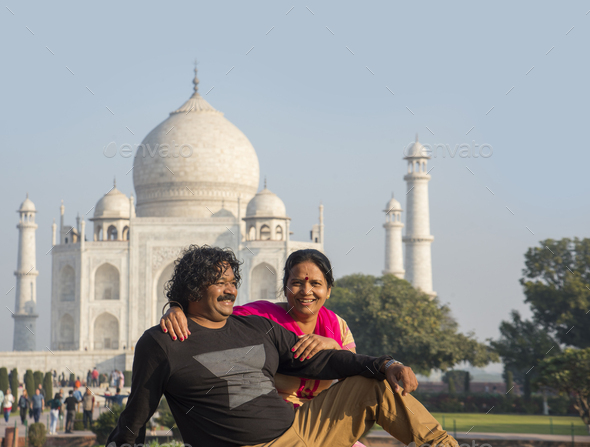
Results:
66 333
106 283
106 332
263 284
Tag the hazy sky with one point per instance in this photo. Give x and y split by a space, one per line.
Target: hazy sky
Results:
329 94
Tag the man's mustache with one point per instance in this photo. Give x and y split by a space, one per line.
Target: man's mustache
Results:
231 298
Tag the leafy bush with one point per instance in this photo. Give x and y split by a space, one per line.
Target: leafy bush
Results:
106 423
14 388
37 434
30 383
38 377
127 375
48 386
3 380
167 420
79 421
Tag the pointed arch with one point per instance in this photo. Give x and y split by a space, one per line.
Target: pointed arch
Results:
263 283
106 282
106 331
66 333
67 284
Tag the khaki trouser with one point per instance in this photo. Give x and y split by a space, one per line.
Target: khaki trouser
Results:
340 415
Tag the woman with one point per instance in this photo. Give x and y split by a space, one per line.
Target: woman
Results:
307 284
55 407
7 404
23 405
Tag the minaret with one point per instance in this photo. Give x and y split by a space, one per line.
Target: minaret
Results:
25 315
394 262
418 239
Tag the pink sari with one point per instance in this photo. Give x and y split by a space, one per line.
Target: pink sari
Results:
327 325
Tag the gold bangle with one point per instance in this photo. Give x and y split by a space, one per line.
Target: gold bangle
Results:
169 302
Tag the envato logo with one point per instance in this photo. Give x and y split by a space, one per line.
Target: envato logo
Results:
464 150
146 150
465 444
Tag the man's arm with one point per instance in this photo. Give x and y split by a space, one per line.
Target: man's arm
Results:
325 365
149 376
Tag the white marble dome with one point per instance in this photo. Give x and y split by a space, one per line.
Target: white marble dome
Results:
266 204
192 162
416 150
393 205
27 205
113 205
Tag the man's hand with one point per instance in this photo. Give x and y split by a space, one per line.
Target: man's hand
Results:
174 323
310 344
399 373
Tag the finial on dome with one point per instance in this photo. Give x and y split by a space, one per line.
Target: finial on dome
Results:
115 181
196 79
416 137
222 203
27 195
265 182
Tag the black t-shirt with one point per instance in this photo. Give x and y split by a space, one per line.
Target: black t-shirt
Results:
219 383
71 402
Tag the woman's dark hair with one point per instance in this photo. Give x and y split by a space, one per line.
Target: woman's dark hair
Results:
309 254
57 396
198 268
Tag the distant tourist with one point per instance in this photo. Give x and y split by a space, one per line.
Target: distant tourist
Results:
95 377
88 408
55 407
23 405
7 404
118 397
89 378
121 379
42 391
70 403
38 404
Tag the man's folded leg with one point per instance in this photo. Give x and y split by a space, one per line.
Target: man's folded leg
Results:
340 415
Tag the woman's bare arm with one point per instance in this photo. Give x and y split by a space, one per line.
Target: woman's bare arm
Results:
175 324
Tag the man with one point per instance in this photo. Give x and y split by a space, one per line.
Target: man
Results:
88 408
220 384
77 394
118 398
38 404
42 391
95 377
70 403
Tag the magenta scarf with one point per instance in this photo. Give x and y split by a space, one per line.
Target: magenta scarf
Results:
327 324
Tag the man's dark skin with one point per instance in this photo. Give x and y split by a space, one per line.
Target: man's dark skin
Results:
215 306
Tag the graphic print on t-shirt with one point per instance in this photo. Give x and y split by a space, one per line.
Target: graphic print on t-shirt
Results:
242 369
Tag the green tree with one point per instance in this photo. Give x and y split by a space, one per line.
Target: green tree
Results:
569 373
455 377
388 316
48 386
30 382
106 423
509 380
14 387
38 378
37 434
452 388
3 380
555 280
522 345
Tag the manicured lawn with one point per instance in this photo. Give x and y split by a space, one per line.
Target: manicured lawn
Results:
508 423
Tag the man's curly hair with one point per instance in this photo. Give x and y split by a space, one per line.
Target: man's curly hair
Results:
198 268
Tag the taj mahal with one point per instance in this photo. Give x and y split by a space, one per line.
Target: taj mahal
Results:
108 274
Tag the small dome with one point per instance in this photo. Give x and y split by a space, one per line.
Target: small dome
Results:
416 150
223 212
266 204
392 205
27 205
113 205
